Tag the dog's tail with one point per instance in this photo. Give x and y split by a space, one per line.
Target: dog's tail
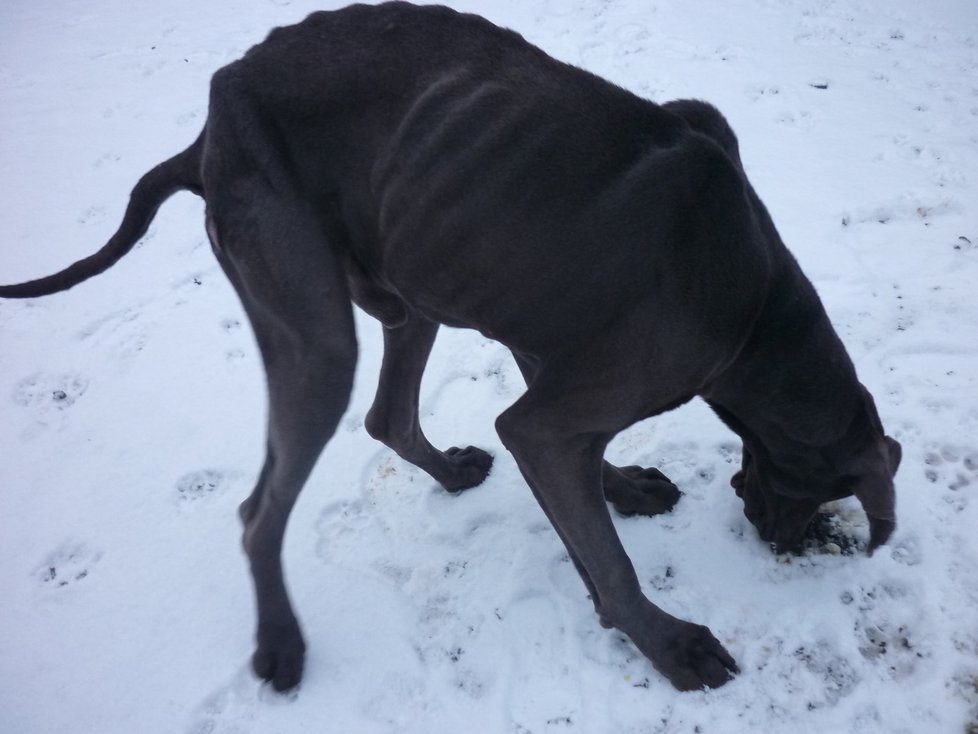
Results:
181 172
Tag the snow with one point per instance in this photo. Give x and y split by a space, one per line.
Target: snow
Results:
133 410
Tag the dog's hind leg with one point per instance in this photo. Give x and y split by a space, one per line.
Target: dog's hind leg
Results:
632 490
297 300
558 432
393 417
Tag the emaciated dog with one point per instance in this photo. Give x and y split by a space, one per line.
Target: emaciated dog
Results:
435 169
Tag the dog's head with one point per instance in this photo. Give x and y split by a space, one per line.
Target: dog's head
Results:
783 483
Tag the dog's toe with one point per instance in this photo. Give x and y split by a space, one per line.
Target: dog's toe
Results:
468 468
284 672
695 660
279 659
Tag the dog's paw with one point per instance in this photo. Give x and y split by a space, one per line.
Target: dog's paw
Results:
465 468
280 656
692 658
634 490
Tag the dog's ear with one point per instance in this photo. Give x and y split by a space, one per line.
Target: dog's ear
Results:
739 480
875 467
879 532
895 452
878 497
876 494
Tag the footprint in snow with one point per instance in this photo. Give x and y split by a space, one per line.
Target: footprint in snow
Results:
886 628
907 551
890 644
537 651
201 484
234 707
71 562
730 452
483 522
951 467
834 676
232 326
954 471
92 215
755 94
47 391
341 527
123 333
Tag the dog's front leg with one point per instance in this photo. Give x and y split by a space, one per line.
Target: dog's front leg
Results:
561 461
393 417
632 490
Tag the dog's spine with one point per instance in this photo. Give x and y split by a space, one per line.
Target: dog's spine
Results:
181 172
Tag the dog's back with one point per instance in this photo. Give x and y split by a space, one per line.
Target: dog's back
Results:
443 148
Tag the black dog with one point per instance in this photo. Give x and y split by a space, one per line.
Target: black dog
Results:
435 169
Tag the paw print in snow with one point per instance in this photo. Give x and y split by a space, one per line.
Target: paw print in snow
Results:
92 215
67 565
730 452
907 551
952 467
232 326
199 484
835 676
47 391
888 632
891 645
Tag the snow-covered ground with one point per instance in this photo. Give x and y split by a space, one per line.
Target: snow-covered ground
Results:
133 409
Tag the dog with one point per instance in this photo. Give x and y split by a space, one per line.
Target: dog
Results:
432 168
